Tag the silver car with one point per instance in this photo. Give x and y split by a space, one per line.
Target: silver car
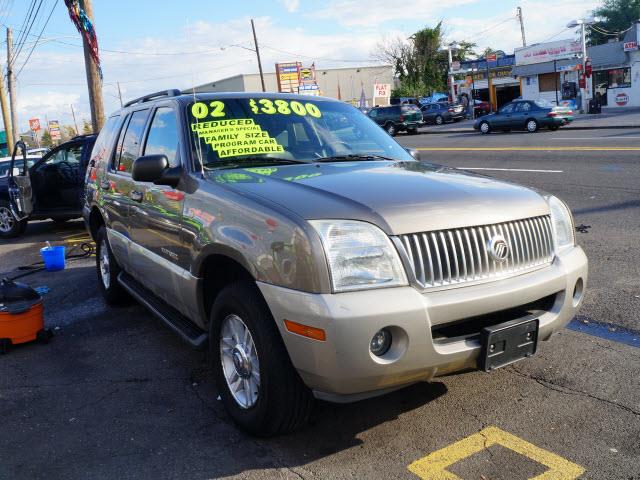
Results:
314 256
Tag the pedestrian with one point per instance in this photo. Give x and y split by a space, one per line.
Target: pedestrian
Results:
464 100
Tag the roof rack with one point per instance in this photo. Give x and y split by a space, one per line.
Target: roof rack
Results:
174 92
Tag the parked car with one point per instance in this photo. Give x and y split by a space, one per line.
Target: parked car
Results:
319 262
481 108
404 101
440 112
525 115
5 164
49 187
434 98
397 118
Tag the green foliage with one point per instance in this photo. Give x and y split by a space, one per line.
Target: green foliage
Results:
46 140
86 127
465 51
68 132
613 16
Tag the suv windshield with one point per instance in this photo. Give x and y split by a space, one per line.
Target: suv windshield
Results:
230 133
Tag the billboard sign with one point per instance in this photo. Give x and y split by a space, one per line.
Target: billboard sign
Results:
548 52
630 46
34 124
288 76
54 129
381 90
492 57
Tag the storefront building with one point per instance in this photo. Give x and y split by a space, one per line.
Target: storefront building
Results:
498 88
551 71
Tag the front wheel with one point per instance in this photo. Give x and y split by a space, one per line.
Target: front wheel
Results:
532 126
108 271
9 226
485 128
258 385
391 129
439 120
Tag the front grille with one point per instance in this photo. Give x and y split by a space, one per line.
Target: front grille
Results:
461 255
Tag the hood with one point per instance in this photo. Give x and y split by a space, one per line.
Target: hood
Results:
398 197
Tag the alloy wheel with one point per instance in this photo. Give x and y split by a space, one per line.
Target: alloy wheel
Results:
484 127
240 364
6 220
104 265
532 125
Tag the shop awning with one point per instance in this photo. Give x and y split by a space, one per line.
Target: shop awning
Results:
540 68
608 55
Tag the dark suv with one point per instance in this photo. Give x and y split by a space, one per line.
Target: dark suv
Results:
52 187
397 118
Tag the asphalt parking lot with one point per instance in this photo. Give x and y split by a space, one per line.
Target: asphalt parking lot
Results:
116 395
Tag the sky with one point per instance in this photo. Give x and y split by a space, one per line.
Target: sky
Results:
148 46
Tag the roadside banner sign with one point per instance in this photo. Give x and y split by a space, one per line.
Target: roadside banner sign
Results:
34 124
548 52
492 57
382 90
54 129
630 46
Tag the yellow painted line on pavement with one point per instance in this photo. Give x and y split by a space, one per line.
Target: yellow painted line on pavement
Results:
433 466
531 149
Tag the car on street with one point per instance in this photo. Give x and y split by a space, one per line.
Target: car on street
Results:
529 115
313 256
440 112
397 118
49 187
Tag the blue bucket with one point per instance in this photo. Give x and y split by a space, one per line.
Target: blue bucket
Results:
53 258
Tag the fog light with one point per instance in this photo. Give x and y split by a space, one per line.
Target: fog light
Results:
381 342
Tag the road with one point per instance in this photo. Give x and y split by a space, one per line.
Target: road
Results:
116 395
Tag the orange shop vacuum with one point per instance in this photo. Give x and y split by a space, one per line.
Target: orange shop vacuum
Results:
21 315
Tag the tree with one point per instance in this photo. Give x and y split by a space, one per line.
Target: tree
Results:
68 132
46 140
464 51
612 18
86 127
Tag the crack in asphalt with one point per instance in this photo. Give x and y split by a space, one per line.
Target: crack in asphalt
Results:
569 391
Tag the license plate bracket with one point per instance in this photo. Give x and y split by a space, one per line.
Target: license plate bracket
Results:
508 342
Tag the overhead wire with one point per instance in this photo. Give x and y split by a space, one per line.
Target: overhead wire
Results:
17 49
55 3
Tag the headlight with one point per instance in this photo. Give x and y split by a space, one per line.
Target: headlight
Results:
562 224
360 255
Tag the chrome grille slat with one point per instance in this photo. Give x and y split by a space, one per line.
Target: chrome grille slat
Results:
460 255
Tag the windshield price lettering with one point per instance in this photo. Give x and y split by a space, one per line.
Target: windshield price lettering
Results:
283 107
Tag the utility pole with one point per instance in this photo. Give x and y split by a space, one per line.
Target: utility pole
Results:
11 80
119 94
584 63
8 131
451 78
255 41
73 114
519 15
94 83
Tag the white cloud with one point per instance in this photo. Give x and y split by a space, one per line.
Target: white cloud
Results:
291 5
374 12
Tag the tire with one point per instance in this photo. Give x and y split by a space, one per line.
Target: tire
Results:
279 402
391 129
531 126
108 270
439 120
9 226
484 128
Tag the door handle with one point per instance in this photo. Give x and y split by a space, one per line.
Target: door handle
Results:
105 185
136 196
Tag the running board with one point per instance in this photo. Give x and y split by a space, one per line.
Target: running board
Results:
188 331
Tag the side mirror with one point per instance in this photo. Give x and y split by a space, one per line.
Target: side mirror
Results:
414 153
155 169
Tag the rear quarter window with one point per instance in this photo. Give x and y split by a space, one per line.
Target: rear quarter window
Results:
101 148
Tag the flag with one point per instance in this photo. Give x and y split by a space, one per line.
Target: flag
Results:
363 97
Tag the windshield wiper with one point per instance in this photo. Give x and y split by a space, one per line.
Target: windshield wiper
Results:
250 162
354 156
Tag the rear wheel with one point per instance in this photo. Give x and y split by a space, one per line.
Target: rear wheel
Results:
439 120
108 271
485 128
532 126
9 226
258 385
391 129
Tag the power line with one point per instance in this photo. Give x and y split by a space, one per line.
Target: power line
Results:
151 54
55 3
315 57
18 50
478 34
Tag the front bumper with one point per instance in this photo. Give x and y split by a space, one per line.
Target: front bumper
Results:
342 367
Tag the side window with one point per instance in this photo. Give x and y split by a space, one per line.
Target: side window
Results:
101 147
70 155
163 135
508 108
129 149
523 107
373 113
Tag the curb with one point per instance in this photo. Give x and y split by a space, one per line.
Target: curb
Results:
574 127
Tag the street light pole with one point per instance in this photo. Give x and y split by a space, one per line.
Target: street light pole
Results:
584 63
453 90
